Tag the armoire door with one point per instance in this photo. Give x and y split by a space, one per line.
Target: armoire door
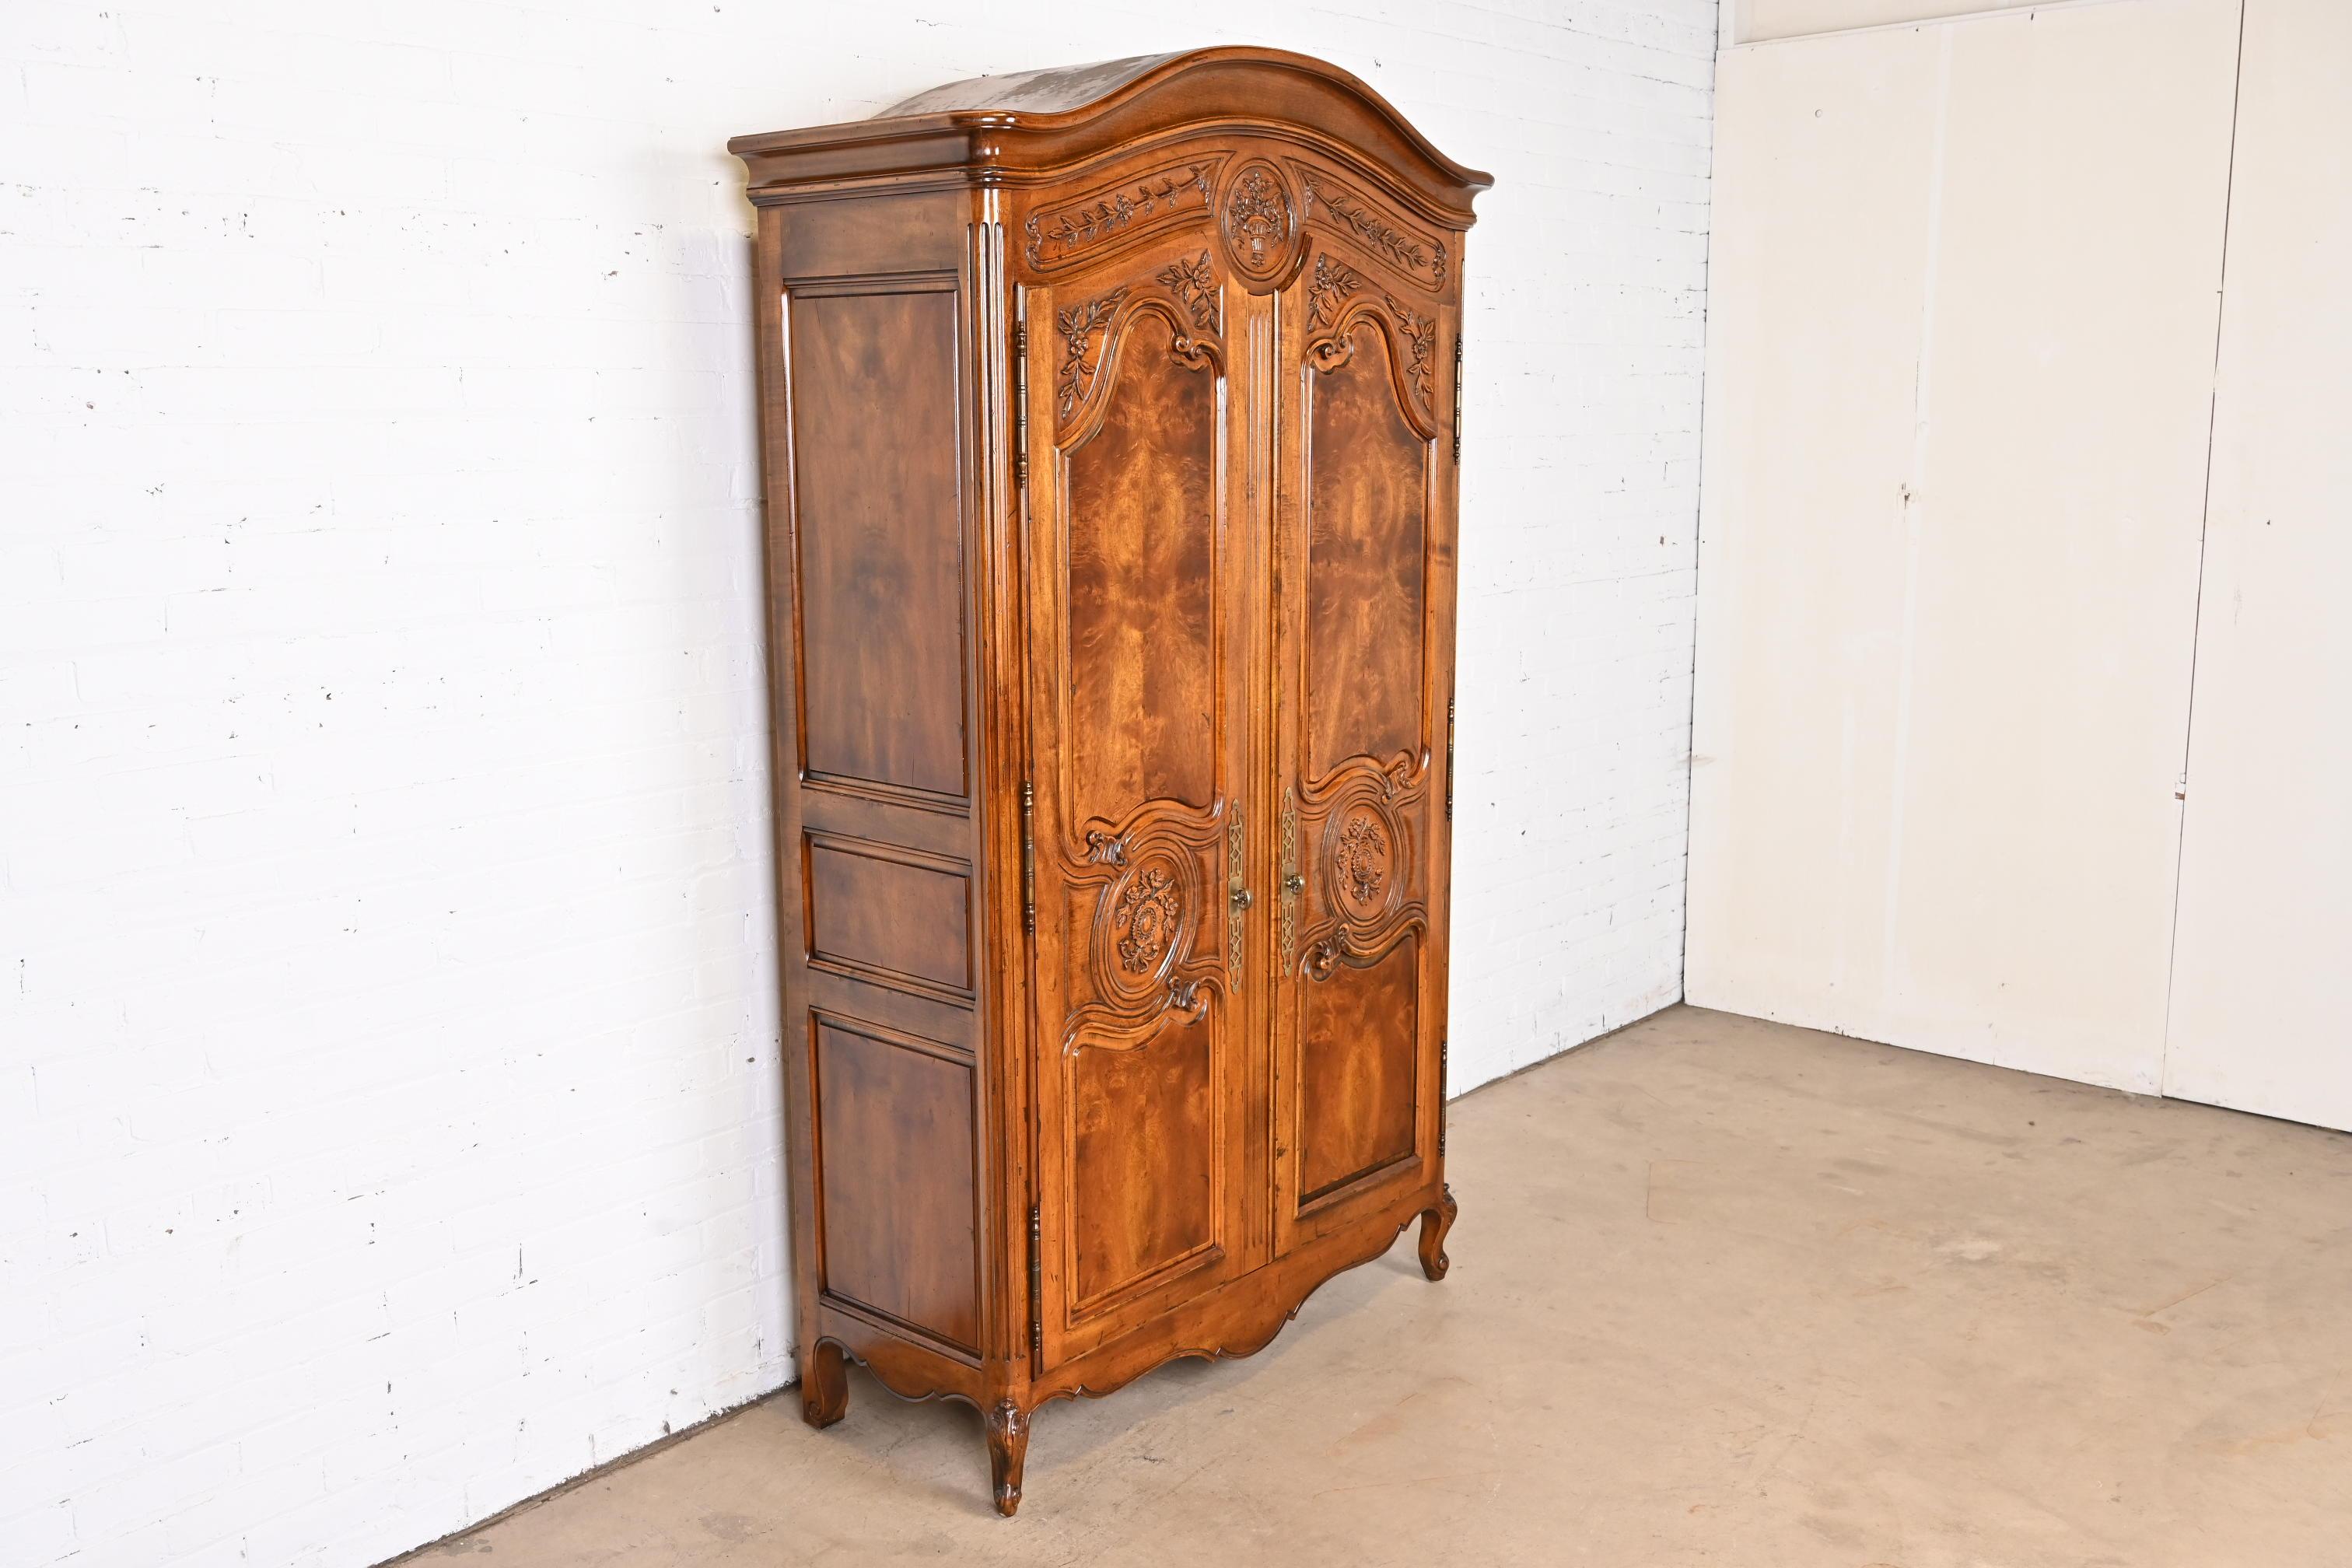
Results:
1146 617
1365 613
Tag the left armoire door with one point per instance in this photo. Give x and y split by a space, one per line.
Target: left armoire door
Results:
1145 605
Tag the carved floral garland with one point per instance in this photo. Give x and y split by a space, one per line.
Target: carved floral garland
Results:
1407 251
1194 284
1079 324
1076 228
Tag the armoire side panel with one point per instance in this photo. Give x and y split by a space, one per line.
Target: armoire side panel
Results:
896 1188
880 539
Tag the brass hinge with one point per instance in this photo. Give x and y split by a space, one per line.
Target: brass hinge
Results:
1449 759
1441 1094
1020 406
1037 1284
1457 395
1028 857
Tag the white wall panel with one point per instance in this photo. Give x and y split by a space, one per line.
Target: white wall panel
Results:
1754 20
2259 1004
1946 610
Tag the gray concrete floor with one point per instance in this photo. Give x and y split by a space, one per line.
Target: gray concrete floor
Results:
1724 1292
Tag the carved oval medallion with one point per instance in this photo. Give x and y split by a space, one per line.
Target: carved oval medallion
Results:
1361 851
1260 222
1146 919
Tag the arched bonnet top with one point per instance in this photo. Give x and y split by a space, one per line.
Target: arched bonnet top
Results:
1028 126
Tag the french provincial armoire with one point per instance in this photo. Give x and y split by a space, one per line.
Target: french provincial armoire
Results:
1110 421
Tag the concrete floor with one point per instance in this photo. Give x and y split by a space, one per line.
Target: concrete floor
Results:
1723 1292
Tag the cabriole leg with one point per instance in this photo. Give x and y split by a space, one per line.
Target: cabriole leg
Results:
1008 1446
824 1384
1435 1224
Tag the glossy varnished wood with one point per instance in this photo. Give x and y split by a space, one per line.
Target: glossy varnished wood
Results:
1107 429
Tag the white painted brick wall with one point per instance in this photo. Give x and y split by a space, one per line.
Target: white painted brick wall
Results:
388 1078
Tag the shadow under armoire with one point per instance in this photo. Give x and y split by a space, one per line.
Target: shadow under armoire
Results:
1110 423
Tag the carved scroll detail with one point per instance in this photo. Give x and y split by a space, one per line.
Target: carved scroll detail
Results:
1065 232
1079 324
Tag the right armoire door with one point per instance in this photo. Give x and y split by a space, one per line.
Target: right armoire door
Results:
1364 600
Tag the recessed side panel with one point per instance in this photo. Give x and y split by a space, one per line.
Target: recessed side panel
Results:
1366 592
875 453
1143 581
890 915
898 1232
1142 1150
1357 1067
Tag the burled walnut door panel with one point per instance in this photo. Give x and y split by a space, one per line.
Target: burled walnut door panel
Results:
1365 617
1142 603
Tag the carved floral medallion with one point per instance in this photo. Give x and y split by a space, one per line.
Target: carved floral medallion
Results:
1360 861
1259 222
1145 919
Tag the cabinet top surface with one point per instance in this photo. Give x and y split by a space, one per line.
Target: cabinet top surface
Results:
1027 125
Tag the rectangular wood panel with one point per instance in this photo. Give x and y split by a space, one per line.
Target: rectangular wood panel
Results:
1367 561
897 1226
1356 1057
1143 1154
1143 632
890 915
876 454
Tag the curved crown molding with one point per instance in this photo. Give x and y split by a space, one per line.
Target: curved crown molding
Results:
1004 129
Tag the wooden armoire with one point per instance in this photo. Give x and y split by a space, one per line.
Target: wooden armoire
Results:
1110 421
